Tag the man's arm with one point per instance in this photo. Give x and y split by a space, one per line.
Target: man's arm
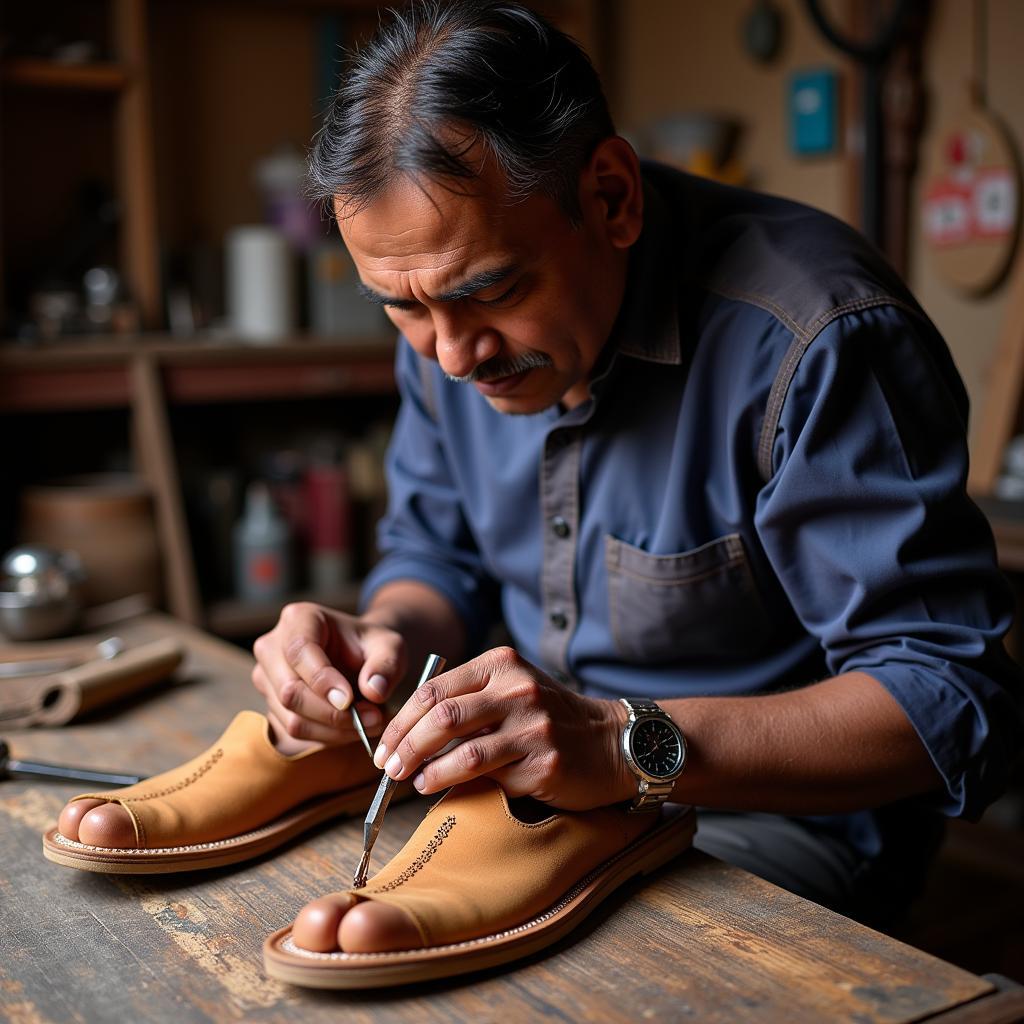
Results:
839 745
834 746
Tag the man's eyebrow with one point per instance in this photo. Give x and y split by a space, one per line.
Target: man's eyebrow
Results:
476 283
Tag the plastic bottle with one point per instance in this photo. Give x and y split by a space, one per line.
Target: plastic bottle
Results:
261 541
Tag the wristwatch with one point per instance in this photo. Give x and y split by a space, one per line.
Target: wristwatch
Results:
655 750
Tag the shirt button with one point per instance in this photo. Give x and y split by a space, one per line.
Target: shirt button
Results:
558 620
559 527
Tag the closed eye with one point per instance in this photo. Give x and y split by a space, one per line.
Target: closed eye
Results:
504 297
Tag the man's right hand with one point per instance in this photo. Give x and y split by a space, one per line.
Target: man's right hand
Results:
314 663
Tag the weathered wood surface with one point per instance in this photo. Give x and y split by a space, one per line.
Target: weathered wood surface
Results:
702 941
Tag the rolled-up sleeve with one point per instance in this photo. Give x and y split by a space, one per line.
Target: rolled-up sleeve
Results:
424 535
885 559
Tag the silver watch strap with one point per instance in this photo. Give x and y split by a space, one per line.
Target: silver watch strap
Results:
650 795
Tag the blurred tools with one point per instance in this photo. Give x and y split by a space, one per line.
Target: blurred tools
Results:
386 790
41 770
56 699
105 649
40 592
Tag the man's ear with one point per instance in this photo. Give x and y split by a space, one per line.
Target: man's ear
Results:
611 192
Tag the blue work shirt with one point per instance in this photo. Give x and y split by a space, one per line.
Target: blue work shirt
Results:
765 488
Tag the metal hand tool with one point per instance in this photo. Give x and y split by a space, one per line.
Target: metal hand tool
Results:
375 816
104 650
13 766
358 723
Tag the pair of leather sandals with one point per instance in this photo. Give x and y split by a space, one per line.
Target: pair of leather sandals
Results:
482 885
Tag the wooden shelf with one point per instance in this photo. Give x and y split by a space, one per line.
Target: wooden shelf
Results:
50 74
95 373
235 619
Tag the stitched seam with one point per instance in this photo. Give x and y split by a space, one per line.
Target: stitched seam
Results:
795 352
756 300
194 777
681 580
442 833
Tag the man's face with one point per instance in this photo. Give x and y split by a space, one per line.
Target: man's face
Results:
510 297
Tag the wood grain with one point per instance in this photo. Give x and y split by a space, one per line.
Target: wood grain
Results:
701 941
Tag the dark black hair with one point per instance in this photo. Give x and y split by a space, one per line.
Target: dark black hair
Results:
443 83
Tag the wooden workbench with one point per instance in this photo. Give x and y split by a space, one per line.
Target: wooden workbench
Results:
701 941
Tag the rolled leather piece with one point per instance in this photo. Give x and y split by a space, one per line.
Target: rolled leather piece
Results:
56 699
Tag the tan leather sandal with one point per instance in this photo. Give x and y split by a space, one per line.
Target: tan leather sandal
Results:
236 800
484 887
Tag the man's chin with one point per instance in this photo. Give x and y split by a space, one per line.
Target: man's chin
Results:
520 405
521 395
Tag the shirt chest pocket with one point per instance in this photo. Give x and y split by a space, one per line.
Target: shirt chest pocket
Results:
702 603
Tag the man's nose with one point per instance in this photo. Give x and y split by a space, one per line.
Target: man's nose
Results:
461 351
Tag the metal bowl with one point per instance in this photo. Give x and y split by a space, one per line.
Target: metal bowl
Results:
37 615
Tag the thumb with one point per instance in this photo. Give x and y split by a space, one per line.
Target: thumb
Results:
384 662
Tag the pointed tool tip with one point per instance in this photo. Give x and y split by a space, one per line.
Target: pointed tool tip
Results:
358 723
359 878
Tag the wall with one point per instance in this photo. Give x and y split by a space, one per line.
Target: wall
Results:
674 55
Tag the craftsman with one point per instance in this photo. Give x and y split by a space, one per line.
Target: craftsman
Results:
689 442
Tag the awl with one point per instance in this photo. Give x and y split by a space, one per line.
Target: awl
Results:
375 816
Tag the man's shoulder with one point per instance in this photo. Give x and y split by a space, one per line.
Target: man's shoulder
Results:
799 264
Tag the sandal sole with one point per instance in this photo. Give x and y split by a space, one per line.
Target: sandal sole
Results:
285 961
214 854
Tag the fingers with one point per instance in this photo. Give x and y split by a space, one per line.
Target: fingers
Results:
304 668
480 755
458 682
452 718
302 715
306 658
384 664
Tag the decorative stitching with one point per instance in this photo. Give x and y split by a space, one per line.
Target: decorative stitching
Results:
194 777
442 833
287 943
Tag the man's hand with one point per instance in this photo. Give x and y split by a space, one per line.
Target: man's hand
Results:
516 725
312 665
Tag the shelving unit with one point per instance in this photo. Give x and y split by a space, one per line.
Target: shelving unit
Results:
125 80
151 376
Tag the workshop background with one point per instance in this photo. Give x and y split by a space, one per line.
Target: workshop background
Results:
195 401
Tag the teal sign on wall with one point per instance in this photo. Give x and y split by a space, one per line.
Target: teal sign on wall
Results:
813 112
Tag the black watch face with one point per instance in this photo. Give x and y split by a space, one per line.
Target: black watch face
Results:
657 748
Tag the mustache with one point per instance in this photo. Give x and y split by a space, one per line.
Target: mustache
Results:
496 368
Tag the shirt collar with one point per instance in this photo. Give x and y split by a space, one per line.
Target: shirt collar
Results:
647 326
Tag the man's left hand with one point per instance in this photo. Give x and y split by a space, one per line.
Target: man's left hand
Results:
514 724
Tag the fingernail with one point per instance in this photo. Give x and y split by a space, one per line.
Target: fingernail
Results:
337 699
371 718
379 754
419 782
376 686
393 766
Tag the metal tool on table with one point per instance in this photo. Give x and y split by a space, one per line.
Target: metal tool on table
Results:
386 790
38 769
104 650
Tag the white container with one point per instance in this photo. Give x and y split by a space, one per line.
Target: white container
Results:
262 556
260 283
